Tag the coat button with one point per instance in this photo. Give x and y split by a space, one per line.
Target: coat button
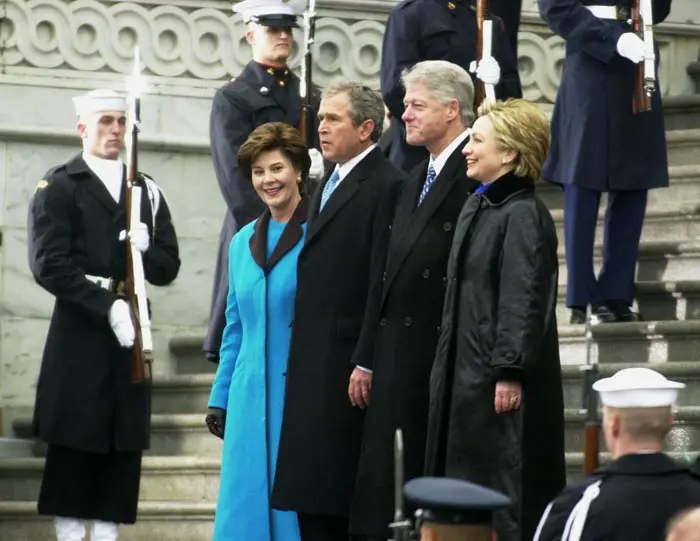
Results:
426 273
382 322
384 276
444 280
438 328
447 226
407 322
454 280
484 204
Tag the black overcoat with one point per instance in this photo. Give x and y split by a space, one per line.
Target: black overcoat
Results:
84 398
411 308
499 324
247 102
597 141
335 318
418 30
639 494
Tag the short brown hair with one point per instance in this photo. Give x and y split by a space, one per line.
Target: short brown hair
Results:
521 126
275 136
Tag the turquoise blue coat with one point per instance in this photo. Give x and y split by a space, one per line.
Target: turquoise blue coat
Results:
250 379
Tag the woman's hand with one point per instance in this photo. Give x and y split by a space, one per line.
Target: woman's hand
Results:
509 396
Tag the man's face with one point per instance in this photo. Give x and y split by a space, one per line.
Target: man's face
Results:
103 133
427 120
340 139
271 45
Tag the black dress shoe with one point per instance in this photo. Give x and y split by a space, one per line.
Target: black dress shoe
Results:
211 357
615 312
578 316
603 313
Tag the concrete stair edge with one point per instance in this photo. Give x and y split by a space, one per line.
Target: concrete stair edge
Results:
147 510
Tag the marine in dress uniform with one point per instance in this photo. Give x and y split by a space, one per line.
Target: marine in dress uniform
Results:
95 421
453 509
419 30
599 145
265 91
634 497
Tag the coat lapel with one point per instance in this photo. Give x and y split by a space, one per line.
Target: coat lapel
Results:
293 232
342 194
410 223
78 167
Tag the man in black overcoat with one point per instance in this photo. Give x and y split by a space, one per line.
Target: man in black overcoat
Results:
418 30
265 91
439 97
336 316
634 497
600 146
95 421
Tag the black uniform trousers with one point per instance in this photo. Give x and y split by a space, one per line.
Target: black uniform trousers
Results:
624 219
314 527
90 486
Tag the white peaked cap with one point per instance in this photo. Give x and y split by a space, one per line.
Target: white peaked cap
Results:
99 100
269 10
637 388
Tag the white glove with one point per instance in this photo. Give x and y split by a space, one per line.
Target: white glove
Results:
631 46
138 236
488 70
316 170
120 321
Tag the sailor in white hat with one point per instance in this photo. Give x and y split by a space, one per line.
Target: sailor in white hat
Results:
94 421
634 496
266 90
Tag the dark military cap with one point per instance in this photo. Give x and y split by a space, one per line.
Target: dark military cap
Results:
453 501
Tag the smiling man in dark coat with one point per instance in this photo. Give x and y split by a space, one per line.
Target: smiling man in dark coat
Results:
265 91
335 317
438 112
599 145
95 421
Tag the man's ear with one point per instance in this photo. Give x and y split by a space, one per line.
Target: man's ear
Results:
81 128
366 130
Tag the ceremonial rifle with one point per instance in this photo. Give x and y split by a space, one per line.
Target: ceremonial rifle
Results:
591 436
644 72
135 286
401 526
306 121
484 40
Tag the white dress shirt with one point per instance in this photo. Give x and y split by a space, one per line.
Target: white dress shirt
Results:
110 172
440 160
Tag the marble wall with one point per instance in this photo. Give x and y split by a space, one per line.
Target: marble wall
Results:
51 50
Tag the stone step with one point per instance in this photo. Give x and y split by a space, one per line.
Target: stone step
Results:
157 521
171 435
186 393
574 462
683 438
683 112
684 186
678 221
163 478
16 448
657 301
669 261
186 352
639 342
687 372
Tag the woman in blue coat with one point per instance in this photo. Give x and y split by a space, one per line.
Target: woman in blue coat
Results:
247 396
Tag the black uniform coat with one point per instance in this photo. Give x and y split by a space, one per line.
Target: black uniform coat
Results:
639 494
597 142
509 12
418 30
247 102
499 324
339 281
411 308
85 399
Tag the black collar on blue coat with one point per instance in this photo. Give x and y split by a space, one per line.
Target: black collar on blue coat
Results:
506 187
292 234
646 464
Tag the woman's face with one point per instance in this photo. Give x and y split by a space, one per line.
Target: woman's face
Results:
275 179
486 161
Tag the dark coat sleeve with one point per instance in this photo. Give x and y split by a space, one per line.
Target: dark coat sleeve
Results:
161 262
509 86
49 231
661 9
399 51
229 126
582 30
527 268
381 231
553 521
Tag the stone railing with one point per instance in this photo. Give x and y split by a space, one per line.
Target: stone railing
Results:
190 46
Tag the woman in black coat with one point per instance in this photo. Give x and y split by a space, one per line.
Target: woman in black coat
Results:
496 407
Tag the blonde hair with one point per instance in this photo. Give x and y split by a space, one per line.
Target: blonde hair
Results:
645 424
520 126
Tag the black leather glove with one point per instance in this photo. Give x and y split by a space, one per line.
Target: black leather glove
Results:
216 422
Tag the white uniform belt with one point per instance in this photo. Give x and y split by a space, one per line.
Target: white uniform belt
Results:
611 12
115 286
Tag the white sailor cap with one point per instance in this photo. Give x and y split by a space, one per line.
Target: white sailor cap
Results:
637 388
99 100
278 13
